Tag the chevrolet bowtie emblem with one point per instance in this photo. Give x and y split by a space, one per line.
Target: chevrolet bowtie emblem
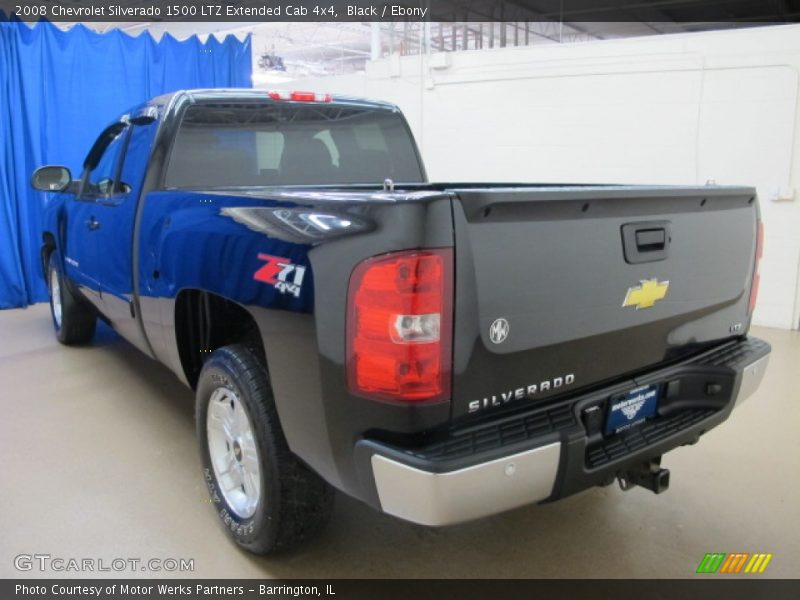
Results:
647 294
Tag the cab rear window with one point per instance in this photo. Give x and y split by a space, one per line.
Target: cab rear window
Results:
223 145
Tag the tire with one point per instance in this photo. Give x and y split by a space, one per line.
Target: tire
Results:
277 505
73 320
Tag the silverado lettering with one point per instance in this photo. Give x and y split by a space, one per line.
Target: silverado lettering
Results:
521 393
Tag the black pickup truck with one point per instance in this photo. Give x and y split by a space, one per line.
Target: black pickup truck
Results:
440 351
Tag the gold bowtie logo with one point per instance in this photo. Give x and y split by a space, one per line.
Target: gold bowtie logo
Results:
647 294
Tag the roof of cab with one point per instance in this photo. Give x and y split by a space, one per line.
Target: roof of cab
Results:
234 94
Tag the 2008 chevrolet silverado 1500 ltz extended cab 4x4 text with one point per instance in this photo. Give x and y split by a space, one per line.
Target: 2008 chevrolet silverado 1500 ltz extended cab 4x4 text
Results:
440 351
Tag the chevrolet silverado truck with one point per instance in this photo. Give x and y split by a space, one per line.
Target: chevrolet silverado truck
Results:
439 351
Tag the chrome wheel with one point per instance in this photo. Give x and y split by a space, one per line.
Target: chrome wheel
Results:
55 297
233 452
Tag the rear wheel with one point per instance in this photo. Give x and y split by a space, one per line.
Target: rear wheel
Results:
266 498
74 322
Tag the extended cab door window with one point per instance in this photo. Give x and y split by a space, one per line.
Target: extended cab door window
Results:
137 155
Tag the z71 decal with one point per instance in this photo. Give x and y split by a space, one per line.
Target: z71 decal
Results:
281 273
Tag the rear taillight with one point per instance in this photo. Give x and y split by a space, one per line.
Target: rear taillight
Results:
399 326
299 96
756 274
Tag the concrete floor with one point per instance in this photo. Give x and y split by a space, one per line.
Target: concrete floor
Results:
98 459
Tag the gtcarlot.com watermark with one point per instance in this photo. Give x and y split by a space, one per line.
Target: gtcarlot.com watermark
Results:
46 563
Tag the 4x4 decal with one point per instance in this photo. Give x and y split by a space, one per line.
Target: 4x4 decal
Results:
281 273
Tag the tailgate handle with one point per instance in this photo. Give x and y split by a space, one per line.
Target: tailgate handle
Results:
650 240
646 241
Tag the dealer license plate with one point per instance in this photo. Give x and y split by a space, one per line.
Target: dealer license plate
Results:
632 409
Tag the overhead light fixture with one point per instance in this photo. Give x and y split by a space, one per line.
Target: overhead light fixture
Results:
271 62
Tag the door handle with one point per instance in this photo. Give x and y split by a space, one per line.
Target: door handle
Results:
93 224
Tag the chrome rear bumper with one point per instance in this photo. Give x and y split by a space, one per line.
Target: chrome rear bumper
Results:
752 375
476 491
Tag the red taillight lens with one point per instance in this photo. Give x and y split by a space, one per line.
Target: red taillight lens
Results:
399 326
756 274
299 96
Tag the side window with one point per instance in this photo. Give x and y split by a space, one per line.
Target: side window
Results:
136 158
102 177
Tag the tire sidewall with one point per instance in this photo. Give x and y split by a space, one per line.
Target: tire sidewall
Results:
219 371
52 267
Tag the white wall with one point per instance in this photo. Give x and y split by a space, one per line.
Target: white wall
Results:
678 109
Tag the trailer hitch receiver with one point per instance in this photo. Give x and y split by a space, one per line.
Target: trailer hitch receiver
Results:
648 475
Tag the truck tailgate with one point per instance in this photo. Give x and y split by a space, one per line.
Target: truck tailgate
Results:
561 288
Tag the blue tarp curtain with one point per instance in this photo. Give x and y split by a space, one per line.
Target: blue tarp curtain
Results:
58 90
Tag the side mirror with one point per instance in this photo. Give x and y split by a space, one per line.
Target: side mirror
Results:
51 179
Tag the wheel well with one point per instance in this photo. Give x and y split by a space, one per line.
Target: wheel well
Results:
204 322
